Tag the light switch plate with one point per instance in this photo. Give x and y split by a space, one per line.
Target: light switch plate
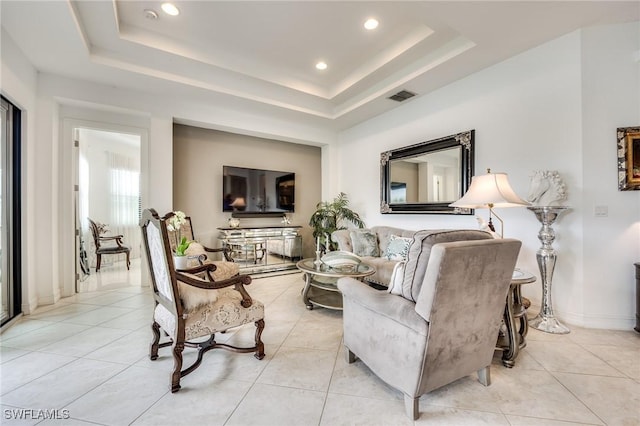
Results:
601 211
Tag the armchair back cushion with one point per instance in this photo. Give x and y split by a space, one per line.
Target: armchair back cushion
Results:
420 253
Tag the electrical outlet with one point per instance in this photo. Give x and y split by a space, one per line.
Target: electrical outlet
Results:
601 211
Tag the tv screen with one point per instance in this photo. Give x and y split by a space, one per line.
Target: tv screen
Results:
257 191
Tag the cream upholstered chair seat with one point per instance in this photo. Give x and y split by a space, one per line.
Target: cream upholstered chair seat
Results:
221 314
191 304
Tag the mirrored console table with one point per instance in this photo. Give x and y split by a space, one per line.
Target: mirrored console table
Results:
263 249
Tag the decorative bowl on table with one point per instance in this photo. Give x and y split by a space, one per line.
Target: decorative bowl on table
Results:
344 261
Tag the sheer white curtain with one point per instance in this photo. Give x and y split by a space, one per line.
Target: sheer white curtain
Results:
124 187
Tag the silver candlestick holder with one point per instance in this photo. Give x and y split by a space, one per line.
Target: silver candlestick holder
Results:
318 261
546 257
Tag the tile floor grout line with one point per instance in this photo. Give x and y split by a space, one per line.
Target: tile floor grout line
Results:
584 404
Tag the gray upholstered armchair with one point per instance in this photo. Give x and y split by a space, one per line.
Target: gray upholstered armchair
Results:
443 321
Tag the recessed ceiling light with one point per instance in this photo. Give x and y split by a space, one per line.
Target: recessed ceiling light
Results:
170 9
371 24
321 65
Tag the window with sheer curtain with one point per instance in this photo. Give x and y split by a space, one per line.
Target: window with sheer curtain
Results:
124 188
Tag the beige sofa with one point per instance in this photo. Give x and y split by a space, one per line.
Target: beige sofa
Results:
347 239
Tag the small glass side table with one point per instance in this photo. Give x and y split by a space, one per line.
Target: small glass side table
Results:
321 287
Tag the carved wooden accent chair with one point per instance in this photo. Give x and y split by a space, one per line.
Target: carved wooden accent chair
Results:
109 248
440 324
191 304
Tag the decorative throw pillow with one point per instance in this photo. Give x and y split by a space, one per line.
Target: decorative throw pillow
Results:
398 248
365 242
397 278
224 270
194 297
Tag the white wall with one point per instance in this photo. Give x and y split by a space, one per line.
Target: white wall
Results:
611 99
533 112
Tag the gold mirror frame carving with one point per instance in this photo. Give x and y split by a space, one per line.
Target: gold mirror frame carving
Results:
628 139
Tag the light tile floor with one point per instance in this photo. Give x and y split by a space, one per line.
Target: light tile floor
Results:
88 355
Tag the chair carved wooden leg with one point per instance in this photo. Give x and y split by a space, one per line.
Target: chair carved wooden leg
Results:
177 367
98 261
128 261
153 353
259 345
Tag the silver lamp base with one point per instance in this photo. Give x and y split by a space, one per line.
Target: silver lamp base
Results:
548 324
546 257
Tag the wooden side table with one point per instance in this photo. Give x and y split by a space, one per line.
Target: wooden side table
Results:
515 319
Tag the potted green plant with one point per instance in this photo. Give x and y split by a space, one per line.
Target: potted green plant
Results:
330 216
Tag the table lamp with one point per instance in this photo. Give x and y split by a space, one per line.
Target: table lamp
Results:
239 204
489 191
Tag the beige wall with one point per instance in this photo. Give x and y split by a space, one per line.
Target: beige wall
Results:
198 157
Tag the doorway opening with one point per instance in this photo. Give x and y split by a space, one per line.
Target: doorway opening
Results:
108 192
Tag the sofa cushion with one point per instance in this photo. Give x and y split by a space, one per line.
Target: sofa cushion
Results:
365 242
384 270
398 248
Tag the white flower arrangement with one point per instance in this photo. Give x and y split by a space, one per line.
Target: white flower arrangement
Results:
174 223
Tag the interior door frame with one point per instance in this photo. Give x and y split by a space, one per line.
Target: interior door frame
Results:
69 177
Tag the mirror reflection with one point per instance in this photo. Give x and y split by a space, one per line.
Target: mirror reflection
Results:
428 176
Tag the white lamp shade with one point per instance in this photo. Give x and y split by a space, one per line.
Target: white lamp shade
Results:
488 191
238 202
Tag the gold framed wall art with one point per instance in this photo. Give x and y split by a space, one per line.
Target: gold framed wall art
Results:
628 158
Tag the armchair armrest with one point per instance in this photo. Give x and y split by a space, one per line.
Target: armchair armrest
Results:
226 251
239 281
116 238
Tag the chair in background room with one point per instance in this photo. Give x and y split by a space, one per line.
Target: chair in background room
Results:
440 325
99 240
191 304
186 230
225 268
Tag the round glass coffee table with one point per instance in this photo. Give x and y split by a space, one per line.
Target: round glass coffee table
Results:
321 280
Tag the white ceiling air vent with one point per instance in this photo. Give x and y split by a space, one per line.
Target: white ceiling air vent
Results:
402 95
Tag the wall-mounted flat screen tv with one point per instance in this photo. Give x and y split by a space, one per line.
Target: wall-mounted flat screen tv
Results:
254 191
